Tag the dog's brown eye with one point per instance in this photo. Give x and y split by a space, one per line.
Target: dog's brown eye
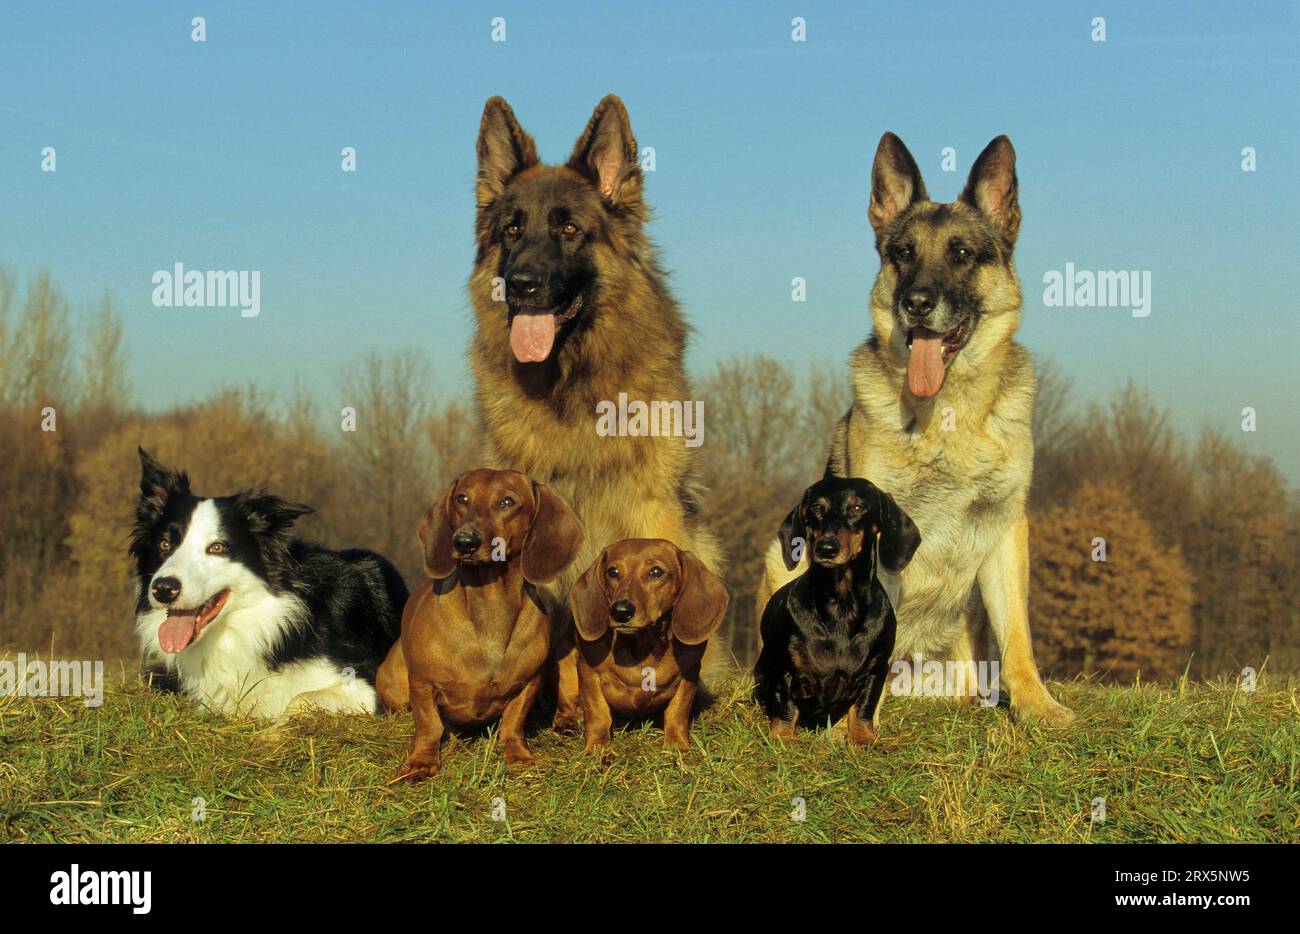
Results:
512 230
570 229
856 509
656 572
462 499
903 253
506 503
217 548
164 546
611 573
962 253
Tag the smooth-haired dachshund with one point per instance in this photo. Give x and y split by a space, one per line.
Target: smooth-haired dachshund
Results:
643 612
477 638
828 634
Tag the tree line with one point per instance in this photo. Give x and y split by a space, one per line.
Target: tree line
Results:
1152 553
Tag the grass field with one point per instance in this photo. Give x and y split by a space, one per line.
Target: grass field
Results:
1201 763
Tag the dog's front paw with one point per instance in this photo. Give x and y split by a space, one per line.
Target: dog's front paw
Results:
862 734
518 754
1043 711
782 729
417 770
566 726
678 741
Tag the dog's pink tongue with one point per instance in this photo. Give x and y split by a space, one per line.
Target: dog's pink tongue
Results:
176 631
531 336
925 364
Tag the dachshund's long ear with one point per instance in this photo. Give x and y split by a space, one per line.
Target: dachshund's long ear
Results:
435 536
553 539
899 536
701 602
792 529
587 602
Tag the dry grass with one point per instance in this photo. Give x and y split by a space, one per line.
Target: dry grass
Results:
1205 763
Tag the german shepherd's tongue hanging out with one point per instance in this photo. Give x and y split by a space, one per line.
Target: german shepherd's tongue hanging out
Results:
572 310
941 417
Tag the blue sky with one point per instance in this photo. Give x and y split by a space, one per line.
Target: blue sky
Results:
225 155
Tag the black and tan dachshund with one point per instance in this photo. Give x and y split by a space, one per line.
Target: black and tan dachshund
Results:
828 634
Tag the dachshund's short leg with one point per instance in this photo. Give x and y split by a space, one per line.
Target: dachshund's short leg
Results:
567 703
773 695
677 717
596 719
423 761
392 682
862 715
862 732
513 719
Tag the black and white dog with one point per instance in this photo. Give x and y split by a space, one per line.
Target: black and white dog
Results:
250 619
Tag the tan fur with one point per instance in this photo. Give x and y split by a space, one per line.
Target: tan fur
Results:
965 488
541 418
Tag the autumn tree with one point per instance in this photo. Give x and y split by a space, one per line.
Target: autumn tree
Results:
766 439
1106 599
1242 546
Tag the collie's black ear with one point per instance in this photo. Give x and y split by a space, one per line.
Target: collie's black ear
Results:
157 482
899 536
793 536
268 514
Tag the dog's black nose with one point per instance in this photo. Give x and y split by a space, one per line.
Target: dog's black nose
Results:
827 548
919 302
466 541
524 283
621 611
166 589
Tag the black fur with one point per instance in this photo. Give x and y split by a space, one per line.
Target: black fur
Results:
354 598
829 633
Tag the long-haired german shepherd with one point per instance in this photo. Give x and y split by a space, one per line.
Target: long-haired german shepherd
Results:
572 310
941 417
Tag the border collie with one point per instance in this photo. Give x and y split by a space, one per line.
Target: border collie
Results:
249 619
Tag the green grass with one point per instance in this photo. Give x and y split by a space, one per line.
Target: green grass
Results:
1207 763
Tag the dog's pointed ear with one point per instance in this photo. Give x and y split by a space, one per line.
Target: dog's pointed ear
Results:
792 535
271 519
587 603
157 481
992 188
158 484
701 601
895 182
899 536
269 514
553 539
435 536
504 150
606 153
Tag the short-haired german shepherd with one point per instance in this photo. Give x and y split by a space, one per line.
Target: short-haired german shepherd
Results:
941 417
